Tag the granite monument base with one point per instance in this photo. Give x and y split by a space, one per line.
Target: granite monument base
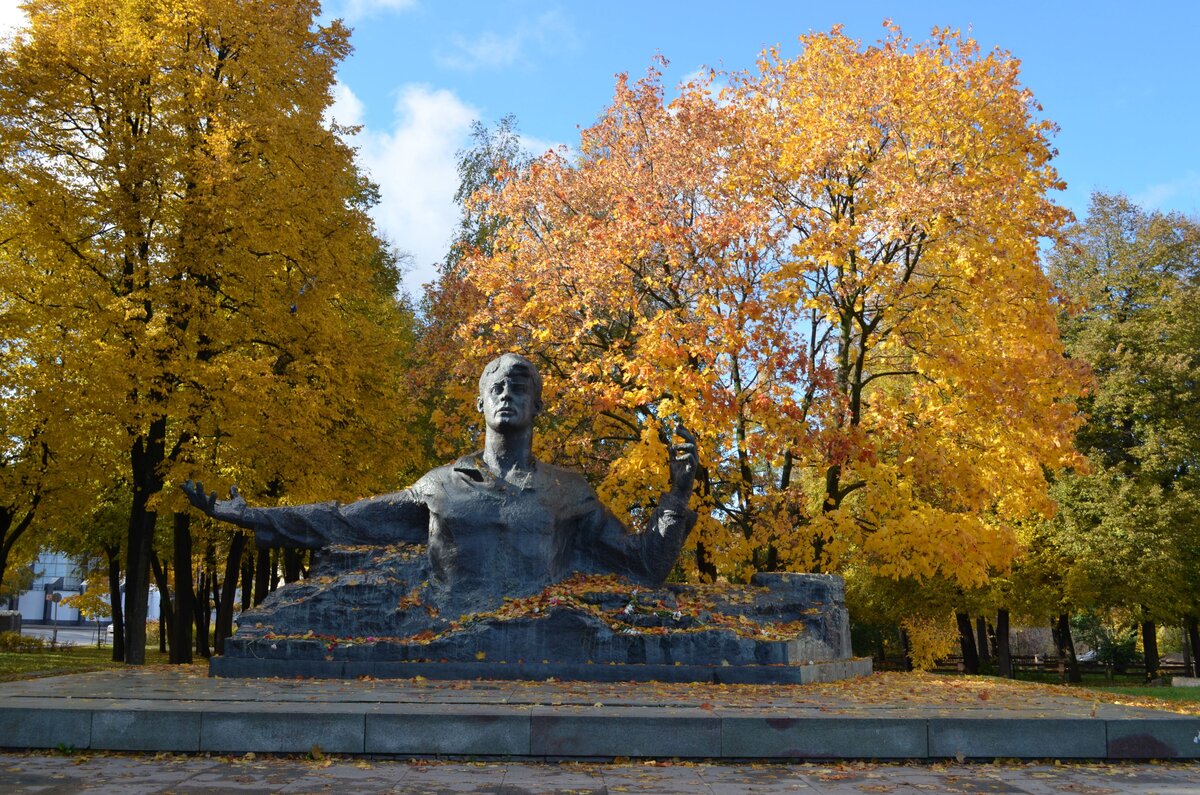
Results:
372 612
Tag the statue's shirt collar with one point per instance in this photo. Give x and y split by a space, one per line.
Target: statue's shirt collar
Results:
474 469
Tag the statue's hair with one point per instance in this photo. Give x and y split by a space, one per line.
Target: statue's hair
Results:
513 361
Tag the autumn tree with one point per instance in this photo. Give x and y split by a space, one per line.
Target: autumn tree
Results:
45 478
174 199
828 271
450 300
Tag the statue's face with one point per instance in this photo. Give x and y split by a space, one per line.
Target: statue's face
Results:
508 399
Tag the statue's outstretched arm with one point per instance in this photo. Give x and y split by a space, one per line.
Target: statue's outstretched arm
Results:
649 556
389 519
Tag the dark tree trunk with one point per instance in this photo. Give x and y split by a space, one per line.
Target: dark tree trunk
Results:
1003 651
113 553
145 458
966 640
275 555
204 587
1193 633
9 534
1066 648
181 630
262 575
704 564
165 612
291 564
200 607
906 644
233 567
1150 649
981 641
247 580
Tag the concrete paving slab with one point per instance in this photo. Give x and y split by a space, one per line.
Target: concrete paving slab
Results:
1154 738
447 730
30 726
1017 738
624 731
158 709
781 736
572 778
116 773
657 779
232 730
132 729
447 779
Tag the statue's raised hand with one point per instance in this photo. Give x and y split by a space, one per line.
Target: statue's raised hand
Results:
232 510
684 461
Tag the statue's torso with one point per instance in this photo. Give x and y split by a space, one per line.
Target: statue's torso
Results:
503 536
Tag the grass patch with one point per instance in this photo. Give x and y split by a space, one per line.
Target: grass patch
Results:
28 664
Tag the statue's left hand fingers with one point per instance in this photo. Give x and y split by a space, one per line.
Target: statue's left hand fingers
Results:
684 433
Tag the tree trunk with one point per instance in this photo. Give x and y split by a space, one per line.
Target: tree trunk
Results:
113 553
1003 652
1193 633
200 609
204 588
10 534
1150 649
981 641
181 634
233 568
275 554
966 639
704 564
906 644
1066 648
165 612
247 580
145 458
291 564
262 575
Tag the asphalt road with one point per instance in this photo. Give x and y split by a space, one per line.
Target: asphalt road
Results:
67 636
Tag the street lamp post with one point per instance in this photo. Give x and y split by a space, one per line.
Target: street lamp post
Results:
55 597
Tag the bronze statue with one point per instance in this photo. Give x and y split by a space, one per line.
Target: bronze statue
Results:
417 582
497 522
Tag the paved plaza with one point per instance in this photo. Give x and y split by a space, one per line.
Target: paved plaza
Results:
885 716
143 775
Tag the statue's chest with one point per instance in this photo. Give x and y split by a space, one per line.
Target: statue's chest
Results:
483 525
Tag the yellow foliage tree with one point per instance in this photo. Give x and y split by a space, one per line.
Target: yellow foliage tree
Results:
175 201
829 272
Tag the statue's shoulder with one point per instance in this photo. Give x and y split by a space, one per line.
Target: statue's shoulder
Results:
566 482
446 473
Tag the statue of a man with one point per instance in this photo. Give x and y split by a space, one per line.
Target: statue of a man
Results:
496 522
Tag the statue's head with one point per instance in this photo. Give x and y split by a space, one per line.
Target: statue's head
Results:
510 392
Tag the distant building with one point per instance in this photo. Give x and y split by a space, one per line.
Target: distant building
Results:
54 572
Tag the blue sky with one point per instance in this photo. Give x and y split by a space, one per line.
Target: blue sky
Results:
1122 80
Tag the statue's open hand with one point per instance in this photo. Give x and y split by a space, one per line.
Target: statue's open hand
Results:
230 510
684 461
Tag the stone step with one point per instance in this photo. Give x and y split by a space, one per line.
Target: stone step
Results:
157 712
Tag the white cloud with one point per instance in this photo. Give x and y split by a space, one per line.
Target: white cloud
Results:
1177 194
491 50
539 146
354 10
347 109
12 17
415 166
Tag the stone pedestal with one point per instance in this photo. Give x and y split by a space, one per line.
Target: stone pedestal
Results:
371 611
